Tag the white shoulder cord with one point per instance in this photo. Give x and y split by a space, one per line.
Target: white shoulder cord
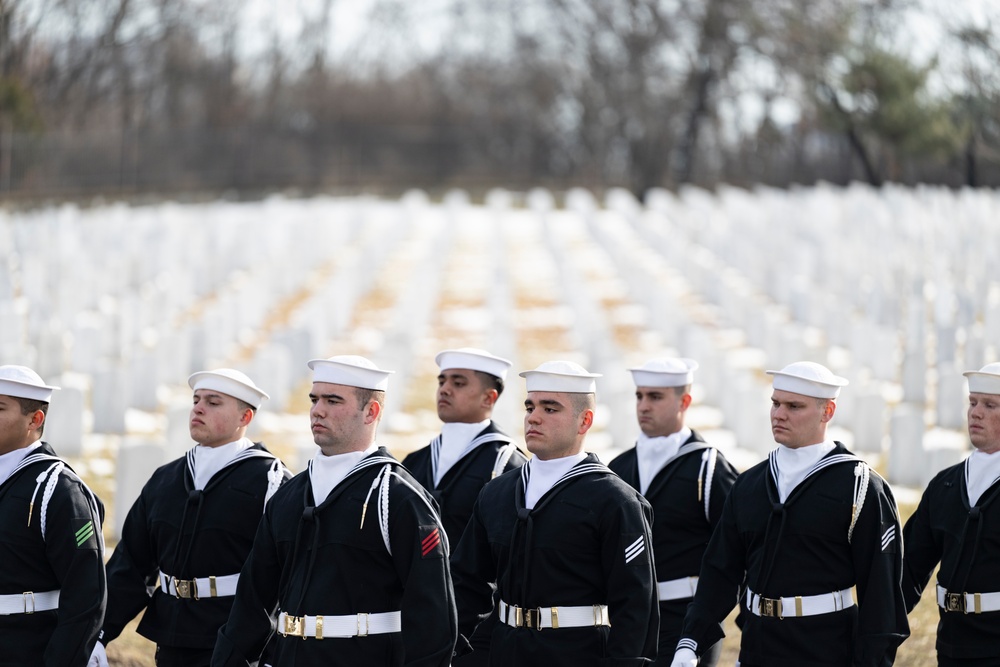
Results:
503 458
383 507
381 482
274 477
57 466
375 482
52 472
861 475
709 459
50 488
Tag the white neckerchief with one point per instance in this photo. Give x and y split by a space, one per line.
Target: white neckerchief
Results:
545 474
327 472
981 471
653 453
11 460
210 460
795 464
455 437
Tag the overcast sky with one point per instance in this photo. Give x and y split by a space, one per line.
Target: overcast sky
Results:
419 29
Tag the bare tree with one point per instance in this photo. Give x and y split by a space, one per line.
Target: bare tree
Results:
977 99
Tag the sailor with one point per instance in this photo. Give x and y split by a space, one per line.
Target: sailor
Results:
798 532
52 583
192 526
470 451
351 559
565 542
685 480
957 525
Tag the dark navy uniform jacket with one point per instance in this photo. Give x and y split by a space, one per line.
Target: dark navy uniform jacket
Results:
966 542
687 496
187 534
69 557
368 547
586 542
801 548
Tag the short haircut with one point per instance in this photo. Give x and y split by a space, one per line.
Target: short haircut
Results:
683 389
243 406
490 381
29 406
581 402
364 395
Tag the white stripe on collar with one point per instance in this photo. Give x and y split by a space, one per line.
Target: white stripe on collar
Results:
204 463
981 472
653 454
322 471
790 467
438 472
11 461
326 472
540 477
457 439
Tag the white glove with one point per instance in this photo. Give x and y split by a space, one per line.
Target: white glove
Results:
684 657
98 658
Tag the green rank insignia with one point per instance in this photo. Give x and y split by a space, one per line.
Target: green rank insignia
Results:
85 534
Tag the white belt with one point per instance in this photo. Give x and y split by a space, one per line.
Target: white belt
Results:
554 617
799 605
677 589
28 602
352 625
195 589
975 603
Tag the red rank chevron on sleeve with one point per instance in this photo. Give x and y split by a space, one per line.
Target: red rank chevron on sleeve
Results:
430 542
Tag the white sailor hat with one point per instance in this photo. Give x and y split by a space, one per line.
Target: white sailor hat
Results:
986 380
561 376
231 383
809 379
665 372
350 370
473 359
22 382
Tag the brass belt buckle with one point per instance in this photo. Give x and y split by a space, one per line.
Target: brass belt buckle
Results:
770 608
528 618
599 612
363 629
186 588
294 626
29 595
954 602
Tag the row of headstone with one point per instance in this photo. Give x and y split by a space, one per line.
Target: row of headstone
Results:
863 286
886 287
581 265
187 288
97 344
417 295
500 304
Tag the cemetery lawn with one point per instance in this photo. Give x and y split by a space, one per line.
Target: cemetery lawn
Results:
131 649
